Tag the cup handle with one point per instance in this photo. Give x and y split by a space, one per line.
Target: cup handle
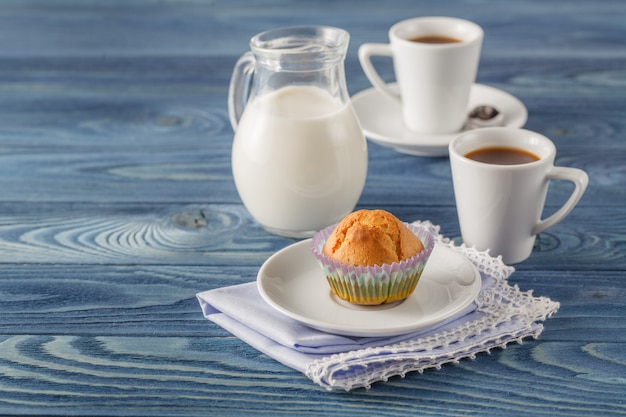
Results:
239 88
580 180
366 51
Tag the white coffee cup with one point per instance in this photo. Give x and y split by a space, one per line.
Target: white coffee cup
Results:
434 79
500 206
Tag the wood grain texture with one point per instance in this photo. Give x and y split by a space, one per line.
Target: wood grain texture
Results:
221 234
117 205
102 334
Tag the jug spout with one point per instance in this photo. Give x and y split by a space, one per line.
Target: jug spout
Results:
299 55
300 48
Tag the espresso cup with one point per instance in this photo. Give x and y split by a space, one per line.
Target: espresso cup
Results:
501 177
435 61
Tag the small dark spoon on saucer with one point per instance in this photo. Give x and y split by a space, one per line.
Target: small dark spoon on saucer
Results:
483 116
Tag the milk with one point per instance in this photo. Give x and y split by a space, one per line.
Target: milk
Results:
299 160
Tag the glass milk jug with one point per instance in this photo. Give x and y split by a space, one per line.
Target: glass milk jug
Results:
299 157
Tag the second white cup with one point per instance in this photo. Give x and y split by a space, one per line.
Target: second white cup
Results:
501 177
435 61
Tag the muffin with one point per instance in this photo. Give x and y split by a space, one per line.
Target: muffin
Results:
371 257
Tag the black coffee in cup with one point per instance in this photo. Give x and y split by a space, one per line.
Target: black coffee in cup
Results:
435 39
502 156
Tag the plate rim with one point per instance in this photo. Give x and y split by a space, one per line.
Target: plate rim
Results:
473 293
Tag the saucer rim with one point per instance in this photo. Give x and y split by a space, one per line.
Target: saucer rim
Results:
434 144
430 320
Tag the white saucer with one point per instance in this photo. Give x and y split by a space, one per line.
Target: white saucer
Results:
381 119
293 283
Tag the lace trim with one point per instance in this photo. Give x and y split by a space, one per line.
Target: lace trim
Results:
504 315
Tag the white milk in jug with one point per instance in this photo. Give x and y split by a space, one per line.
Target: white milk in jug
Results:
299 160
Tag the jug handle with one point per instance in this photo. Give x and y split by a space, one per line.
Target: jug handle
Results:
239 88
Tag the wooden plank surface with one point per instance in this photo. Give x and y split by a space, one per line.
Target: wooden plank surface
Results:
117 205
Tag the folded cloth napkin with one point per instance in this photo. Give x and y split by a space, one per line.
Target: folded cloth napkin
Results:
501 314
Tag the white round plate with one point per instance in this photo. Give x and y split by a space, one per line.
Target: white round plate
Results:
293 283
381 119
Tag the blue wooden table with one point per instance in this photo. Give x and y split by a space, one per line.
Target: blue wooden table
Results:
117 205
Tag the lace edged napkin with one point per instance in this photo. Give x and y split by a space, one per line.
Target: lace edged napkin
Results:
500 315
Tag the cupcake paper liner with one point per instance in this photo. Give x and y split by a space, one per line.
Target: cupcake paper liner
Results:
373 285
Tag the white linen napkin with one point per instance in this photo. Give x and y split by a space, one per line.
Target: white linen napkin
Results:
500 315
